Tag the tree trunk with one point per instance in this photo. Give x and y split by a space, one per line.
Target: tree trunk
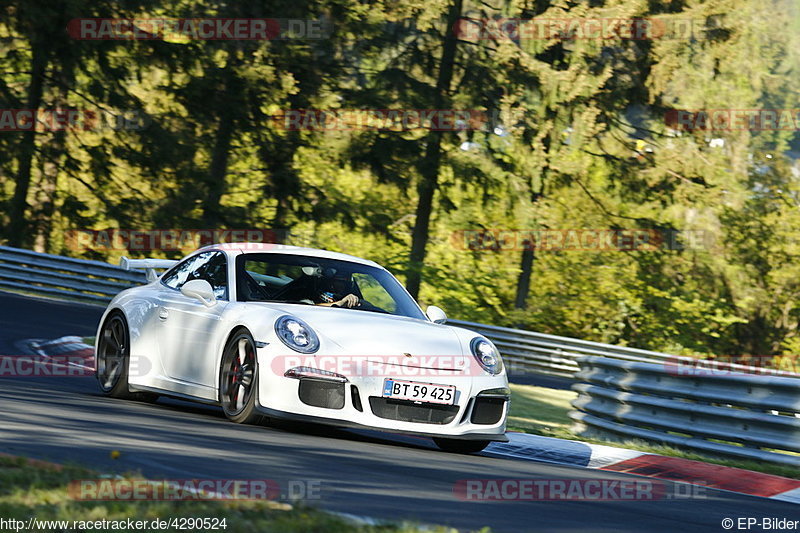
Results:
529 253
18 226
285 183
524 279
218 168
54 157
429 167
45 204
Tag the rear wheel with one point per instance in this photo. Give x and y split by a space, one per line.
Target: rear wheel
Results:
113 358
460 446
238 379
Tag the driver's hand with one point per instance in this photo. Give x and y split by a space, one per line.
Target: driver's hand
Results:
351 300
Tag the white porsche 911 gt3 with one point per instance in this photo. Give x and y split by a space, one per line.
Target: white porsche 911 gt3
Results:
272 331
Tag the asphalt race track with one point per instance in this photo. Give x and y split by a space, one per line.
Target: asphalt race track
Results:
67 420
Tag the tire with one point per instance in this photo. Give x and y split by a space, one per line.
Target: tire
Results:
238 379
112 360
460 446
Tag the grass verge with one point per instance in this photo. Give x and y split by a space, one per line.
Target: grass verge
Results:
543 411
40 491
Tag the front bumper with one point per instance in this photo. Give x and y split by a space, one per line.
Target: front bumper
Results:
479 413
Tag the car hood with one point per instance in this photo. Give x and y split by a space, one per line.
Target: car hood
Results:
375 335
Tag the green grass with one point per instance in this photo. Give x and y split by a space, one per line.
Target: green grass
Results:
543 411
40 491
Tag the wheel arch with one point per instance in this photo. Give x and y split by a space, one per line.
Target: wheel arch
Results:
221 353
110 311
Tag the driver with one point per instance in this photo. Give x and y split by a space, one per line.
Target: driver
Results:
337 290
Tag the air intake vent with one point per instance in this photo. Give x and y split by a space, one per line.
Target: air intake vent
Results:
487 410
321 393
356 398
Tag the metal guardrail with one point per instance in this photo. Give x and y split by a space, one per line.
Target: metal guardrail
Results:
54 275
732 414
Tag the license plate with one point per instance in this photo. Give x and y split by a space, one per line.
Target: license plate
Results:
419 392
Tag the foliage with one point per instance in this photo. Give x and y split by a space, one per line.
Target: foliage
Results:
573 136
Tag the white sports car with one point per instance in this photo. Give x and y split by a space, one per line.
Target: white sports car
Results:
272 331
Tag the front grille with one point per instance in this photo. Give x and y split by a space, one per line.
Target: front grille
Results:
487 410
321 393
406 411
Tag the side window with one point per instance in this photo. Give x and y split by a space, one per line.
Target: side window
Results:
215 272
210 266
183 272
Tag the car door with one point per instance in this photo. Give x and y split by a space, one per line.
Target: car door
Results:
188 328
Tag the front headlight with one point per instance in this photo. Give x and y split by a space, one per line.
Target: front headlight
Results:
296 334
487 355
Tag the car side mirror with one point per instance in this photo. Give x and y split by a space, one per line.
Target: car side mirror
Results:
200 289
436 315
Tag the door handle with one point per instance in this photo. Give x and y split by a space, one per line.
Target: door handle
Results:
163 314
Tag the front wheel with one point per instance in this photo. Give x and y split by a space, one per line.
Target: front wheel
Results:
460 446
238 379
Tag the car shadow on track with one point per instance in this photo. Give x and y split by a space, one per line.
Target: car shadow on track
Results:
177 406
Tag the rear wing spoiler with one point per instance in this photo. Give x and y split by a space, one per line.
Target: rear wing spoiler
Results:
149 265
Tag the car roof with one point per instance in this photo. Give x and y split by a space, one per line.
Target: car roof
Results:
237 248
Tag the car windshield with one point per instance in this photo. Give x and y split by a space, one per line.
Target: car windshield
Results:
309 280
